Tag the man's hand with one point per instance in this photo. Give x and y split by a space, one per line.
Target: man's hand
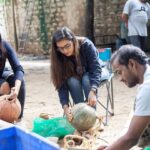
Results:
14 93
15 90
102 148
4 97
125 19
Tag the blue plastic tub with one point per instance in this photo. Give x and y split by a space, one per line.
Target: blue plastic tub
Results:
105 54
15 138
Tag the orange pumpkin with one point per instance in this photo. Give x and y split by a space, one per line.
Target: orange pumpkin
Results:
9 109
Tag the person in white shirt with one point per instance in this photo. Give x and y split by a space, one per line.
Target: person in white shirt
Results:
135 15
131 65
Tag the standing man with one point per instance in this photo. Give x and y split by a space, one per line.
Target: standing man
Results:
135 15
130 64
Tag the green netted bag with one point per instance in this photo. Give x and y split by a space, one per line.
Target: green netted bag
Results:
56 127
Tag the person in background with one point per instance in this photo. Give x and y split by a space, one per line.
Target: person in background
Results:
123 38
131 65
11 81
135 15
75 68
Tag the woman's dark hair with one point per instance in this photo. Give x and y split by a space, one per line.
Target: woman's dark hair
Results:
2 53
127 52
61 66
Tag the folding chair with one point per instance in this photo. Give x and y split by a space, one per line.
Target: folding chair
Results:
104 55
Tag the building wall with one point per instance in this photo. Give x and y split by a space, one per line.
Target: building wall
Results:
107 21
40 18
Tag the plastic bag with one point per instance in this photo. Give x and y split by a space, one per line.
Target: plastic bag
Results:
57 127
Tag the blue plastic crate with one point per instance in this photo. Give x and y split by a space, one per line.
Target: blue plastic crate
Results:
105 54
15 138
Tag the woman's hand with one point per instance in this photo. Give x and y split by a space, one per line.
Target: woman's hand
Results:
67 112
92 98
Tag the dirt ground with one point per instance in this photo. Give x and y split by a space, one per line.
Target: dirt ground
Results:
42 97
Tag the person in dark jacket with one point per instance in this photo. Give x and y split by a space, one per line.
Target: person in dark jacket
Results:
75 68
11 81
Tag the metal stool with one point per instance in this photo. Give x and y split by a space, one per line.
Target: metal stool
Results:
109 106
105 55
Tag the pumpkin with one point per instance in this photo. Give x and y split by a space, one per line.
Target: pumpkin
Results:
9 109
84 116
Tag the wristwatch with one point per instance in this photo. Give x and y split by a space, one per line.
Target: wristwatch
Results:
94 90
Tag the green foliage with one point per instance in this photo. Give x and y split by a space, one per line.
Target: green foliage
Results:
43 26
26 1
5 2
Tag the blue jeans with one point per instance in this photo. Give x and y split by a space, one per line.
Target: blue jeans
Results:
139 41
79 89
